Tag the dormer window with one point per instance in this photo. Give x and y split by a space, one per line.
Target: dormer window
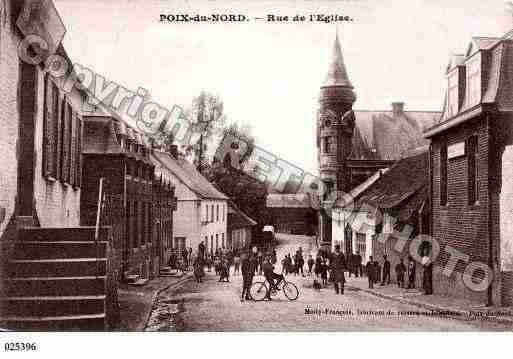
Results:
452 94
473 93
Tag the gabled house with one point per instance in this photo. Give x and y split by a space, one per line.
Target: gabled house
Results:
138 201
471 161
240 227
202 211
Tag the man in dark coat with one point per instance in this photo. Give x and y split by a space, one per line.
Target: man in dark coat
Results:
386 271
370 267
358 264
248 271
400 269
411 273
272 278
427 277
338 266
350 264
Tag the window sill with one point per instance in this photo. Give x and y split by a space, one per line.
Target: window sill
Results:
50 179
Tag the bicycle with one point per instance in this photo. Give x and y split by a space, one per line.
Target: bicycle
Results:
259 290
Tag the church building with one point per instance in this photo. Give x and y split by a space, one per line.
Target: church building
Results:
352 145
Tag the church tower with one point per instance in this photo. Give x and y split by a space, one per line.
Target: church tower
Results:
335 125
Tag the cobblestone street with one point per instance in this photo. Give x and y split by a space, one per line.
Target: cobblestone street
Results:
214 306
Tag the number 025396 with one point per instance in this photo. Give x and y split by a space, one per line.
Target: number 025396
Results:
18 346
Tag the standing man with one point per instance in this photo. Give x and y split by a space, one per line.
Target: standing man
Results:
400 269
338 266
370 268
358 264
386 271
411 273
427 277
248 271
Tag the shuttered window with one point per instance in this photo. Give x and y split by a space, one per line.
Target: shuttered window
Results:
472 176
72 146
78 153
47 128
50 129
64 140
443 174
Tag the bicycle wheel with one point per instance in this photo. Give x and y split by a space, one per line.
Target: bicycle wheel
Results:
290 290
258 291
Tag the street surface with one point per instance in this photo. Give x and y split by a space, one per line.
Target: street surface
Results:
214 306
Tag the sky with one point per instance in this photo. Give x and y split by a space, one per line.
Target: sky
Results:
269 74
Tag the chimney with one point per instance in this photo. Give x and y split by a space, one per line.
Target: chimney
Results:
173 149
397 108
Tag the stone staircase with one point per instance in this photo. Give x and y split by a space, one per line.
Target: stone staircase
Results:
56 279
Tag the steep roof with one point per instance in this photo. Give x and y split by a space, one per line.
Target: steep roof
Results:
388 135
403 187
188 174
337 73
497 87
237 218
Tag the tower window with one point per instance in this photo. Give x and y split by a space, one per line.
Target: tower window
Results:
329 144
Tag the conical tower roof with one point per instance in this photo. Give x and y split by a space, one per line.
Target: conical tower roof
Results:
337 73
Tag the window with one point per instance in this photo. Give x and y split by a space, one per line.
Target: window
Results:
443 174
328 186
328 144
472 151
78 153
361 243
212 213
222 239
206 243
211 242
206 213
50 128
217 213
217 240
452 98
473 92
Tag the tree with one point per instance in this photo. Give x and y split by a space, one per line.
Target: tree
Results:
207 116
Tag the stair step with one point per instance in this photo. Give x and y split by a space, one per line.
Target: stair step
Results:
48 286
62 234
92 322
53 306
59 249
61 267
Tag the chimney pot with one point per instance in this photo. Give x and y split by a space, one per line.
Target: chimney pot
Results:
397 108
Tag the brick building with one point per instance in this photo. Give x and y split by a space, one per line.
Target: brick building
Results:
353 145
139 202
471 162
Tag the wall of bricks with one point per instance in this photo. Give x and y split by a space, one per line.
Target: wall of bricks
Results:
459 224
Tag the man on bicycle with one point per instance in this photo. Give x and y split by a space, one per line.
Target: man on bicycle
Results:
270 276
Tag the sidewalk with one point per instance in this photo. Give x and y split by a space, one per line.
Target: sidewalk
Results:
135 302
458 308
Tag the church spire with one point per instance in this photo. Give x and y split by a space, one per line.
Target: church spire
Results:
337 73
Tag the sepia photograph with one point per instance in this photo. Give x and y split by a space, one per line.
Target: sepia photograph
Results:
255 166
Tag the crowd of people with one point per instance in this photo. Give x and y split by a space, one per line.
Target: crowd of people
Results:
328 266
